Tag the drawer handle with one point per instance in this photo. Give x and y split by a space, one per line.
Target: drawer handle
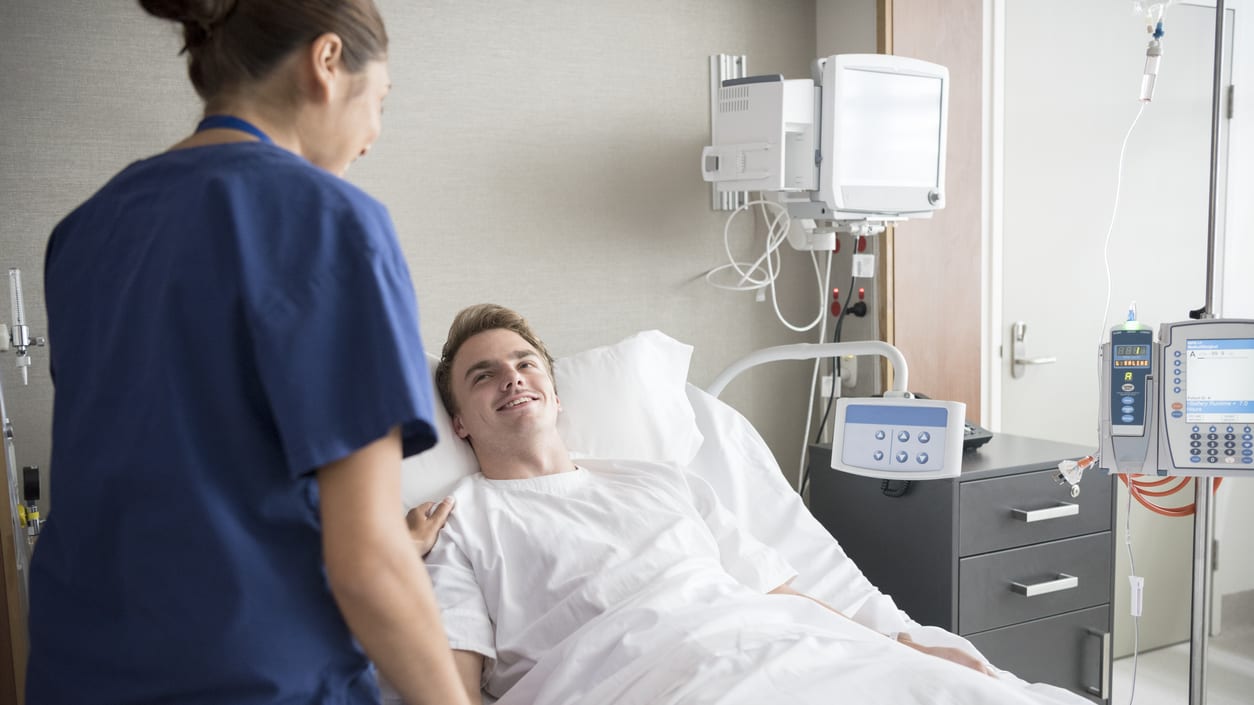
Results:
1062 509
1062 582
1102 690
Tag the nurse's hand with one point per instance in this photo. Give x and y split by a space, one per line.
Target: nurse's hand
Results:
425 522
949 653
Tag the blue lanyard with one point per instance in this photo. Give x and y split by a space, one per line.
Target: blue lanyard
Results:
230 122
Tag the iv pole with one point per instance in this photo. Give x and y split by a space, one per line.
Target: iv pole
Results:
1204 487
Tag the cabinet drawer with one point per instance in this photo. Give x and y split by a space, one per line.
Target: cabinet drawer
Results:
1019 510
1069 650
1008 587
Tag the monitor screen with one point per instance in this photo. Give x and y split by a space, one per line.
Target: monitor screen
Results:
1219 378
883 135
888 129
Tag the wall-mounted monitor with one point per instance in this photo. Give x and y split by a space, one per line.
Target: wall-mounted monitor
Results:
883 127
880 121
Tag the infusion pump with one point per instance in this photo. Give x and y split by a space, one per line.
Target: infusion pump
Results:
1179 405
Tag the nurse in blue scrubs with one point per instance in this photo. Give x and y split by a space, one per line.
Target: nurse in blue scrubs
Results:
238 369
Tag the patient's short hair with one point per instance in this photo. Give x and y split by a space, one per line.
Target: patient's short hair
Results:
472 321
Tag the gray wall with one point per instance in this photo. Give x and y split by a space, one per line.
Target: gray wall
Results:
541 154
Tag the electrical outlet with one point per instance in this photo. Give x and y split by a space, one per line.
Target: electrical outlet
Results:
864 266
848 370
827 388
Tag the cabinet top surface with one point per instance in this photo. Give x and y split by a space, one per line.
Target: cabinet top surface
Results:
1007 454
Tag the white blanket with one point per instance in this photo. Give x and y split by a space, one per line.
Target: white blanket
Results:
630 585
754 649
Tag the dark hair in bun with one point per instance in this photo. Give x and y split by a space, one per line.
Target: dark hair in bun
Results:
231 43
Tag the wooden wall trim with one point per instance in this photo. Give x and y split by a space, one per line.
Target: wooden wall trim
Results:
884 275
934 292
13 647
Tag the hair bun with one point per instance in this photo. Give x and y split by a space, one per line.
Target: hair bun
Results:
198 17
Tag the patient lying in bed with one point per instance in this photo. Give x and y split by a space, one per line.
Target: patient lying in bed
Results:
627 582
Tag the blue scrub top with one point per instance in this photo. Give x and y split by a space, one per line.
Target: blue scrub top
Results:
223 320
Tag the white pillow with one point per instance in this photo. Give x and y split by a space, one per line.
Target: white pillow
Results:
623 401
430 475
627 401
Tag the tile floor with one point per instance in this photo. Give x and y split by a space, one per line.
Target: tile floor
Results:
1163 674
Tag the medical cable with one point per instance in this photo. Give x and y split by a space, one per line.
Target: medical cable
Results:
803 476
1136 616
773 240
752 277
803 465
840 321
1101 338
1101 335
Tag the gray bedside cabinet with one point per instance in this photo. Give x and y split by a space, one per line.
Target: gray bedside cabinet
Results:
1002 555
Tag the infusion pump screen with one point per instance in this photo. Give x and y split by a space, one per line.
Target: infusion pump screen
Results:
1220 381
1132 356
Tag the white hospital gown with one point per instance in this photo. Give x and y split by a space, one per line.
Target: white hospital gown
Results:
628 583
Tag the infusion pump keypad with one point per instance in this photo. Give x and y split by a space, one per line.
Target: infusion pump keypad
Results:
1222 443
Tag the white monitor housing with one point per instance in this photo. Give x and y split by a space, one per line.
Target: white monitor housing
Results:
863 140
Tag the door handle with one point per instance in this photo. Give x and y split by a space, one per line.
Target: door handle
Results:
1017 333
1062 582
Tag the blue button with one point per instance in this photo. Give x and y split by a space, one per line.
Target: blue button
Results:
1211 429
1247 452
1195 458
903 436
1246 429
925 437
922 458
880 435
902 456
1247 444
1177 414
1229 429
1126 418
1177 353
1127 400
1247 437
1176 390
878 455
1127 410
1196 429
1177 363
1176 380
1247 461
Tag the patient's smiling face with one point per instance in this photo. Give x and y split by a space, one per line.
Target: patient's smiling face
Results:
501 387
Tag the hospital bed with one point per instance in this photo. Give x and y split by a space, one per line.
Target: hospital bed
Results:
631 400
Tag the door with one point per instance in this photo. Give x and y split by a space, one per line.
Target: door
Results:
1067 106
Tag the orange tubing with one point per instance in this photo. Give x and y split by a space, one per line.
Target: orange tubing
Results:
1140 491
